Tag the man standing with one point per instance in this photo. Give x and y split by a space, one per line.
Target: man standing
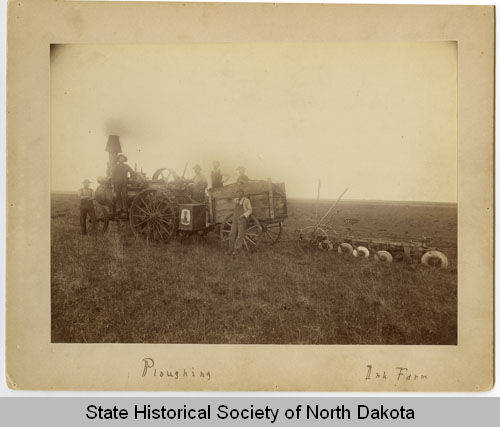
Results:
242 177
86 196
119 178
199 184
217 176
241 213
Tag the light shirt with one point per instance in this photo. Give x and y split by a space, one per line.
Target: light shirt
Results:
247 206
85 193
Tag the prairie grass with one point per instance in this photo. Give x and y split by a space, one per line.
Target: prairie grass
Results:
115 288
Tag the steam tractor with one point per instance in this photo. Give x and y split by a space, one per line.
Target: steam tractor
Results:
163 207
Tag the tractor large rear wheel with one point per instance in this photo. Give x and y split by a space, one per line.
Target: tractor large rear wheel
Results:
153 216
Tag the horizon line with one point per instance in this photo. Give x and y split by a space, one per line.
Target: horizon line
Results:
321 200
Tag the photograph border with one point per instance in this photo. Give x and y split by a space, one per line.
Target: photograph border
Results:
32 362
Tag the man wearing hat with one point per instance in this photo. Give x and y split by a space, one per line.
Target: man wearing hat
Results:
199 183
86 196
241 214
218 178
242 177
119 178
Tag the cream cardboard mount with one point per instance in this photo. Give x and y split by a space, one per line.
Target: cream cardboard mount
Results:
34 362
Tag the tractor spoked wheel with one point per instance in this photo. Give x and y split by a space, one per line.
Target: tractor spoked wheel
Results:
153 216
162 175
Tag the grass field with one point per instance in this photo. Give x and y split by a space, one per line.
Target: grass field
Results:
113 288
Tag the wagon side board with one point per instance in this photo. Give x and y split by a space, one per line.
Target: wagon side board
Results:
268 201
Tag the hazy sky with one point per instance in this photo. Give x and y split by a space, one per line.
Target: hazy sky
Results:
379 118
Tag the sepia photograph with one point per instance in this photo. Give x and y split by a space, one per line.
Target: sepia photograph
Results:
251 197
254 193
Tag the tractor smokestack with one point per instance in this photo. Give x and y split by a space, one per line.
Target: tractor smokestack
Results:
113 147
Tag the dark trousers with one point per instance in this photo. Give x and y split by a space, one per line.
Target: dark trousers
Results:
87 209
237 234
121 196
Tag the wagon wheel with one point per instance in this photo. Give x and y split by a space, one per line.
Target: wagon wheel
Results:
153 216
102 218
271 232
251 235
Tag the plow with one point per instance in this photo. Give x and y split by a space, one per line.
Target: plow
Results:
323 236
